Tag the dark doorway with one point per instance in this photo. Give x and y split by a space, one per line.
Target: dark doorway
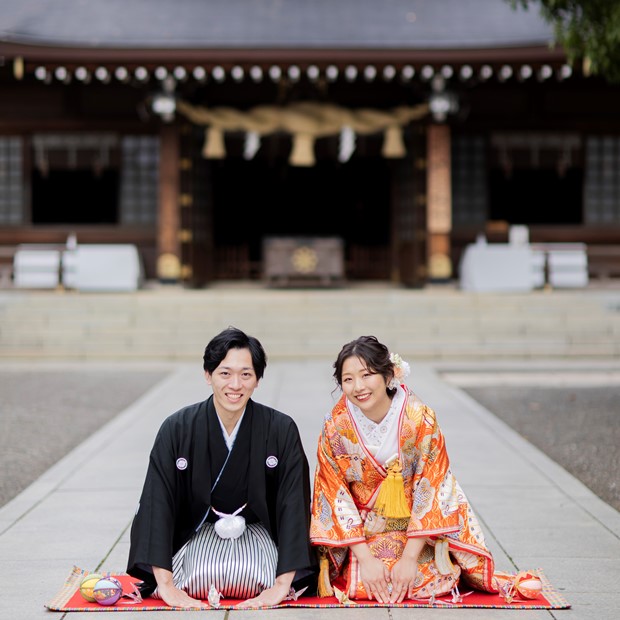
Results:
536 196
262 198
79 196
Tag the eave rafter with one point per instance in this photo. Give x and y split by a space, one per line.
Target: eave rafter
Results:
141 65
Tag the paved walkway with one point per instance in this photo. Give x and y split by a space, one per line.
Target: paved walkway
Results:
534 514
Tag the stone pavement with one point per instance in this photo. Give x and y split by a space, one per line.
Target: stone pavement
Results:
534 514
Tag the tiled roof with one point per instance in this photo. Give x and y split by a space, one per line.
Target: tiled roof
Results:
272 24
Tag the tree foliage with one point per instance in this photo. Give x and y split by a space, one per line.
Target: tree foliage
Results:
588 30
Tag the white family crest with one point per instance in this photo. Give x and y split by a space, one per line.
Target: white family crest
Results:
181 463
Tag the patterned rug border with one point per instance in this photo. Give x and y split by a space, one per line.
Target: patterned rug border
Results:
60 601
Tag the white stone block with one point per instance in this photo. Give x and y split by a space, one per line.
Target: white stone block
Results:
36 268
107 267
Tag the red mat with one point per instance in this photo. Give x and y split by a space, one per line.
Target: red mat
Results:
70 599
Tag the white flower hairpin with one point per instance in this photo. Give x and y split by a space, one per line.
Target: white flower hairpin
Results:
401 370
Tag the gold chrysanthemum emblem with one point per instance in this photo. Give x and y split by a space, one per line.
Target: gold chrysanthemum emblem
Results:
304 260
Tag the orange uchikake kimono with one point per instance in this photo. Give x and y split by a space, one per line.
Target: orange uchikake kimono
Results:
346 486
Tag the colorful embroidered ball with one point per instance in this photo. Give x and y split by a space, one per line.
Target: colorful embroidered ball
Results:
107 591
528 585
87 584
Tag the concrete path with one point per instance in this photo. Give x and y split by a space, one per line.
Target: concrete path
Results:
534 514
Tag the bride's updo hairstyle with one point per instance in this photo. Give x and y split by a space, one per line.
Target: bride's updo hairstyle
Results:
374 355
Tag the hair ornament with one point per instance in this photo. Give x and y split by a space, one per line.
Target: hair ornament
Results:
401 370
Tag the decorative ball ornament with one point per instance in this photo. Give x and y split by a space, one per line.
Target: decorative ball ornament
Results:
107 591
230 527
87 584
528 585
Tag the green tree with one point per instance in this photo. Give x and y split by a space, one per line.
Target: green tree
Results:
588 31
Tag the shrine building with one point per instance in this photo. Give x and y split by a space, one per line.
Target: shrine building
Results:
205 133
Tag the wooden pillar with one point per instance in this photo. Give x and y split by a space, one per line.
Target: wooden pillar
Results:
439 202
168 221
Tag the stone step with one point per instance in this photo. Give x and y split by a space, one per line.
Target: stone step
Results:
175 324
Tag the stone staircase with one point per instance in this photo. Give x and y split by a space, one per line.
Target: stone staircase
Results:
442 324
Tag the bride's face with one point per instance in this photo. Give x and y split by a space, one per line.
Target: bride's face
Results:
365 388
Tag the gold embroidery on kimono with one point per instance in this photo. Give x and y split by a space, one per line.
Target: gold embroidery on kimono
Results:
346 486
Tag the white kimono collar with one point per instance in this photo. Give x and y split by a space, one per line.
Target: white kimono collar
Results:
381 439
230 439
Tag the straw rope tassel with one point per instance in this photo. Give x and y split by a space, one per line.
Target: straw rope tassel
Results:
324 586
391 501
214 146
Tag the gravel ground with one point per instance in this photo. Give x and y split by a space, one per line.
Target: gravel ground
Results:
578 427
44 414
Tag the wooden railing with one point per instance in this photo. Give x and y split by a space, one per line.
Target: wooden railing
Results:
232 262
368 262
7 253
604 261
